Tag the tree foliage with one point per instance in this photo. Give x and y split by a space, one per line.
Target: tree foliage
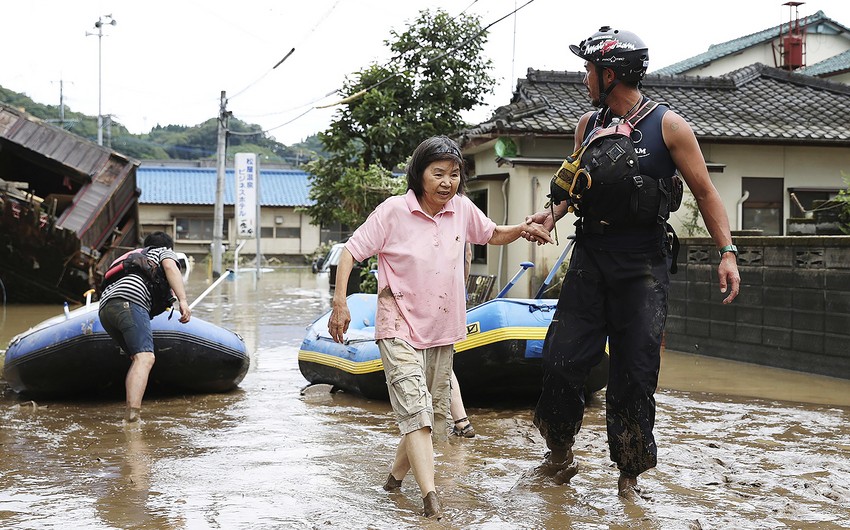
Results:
691 222
353 193
437 71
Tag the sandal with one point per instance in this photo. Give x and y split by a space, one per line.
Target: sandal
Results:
465 432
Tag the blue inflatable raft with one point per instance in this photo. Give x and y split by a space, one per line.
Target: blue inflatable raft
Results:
71 354
500 358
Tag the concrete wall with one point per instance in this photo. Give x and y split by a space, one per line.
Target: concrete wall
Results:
793 311
841 78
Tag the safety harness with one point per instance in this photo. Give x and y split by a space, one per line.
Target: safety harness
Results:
601 180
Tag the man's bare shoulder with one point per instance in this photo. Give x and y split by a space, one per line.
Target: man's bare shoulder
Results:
674 120
675 129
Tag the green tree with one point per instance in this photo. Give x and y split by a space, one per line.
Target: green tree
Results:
437 72
692 217
353 192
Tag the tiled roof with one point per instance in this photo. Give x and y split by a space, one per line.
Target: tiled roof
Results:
837 64
717 51
188 185
754 104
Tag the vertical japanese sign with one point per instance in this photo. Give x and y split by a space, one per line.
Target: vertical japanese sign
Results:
246 195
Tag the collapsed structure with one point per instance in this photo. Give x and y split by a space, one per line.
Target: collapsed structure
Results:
68 207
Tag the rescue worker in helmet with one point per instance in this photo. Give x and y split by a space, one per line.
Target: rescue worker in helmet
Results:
618 279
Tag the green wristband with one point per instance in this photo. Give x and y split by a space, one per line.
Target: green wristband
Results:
728 248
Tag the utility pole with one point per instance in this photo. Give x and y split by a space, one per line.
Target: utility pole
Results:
218 212
61 105
108 130
99 26
61 120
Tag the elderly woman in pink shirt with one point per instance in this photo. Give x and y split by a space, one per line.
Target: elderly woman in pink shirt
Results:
419 239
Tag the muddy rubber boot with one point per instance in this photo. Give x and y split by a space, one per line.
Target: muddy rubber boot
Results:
392 483
433 510
566 474
558 465
627 487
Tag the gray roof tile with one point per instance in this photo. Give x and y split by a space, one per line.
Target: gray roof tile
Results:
717 51
755 103
837 64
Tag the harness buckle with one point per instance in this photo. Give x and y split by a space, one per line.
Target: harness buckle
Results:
638 181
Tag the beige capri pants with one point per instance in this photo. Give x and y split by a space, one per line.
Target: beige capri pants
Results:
419 384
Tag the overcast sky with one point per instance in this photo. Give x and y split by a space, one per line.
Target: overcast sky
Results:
167 62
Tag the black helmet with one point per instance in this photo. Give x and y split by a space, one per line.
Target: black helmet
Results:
621 51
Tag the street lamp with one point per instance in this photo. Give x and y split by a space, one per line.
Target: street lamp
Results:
106 19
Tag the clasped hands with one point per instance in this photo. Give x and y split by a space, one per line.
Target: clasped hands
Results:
534 229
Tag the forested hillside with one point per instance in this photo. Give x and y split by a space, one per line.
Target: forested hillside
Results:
181 142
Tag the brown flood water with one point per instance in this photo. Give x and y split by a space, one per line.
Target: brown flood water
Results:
740 447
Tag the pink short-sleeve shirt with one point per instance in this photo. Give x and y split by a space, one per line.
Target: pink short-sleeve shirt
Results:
420 267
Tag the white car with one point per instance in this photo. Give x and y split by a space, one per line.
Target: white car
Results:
185 263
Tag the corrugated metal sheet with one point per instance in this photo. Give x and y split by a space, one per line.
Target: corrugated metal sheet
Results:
189 185
53 143
99 206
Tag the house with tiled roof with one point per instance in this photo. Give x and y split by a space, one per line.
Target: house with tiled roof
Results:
835 68
765 133
180 200
814 45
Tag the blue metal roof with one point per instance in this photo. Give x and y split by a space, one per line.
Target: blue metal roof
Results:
194 185
818 23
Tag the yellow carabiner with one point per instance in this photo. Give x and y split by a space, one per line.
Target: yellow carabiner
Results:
575 179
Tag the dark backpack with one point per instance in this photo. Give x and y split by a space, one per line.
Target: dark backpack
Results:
137 262
602 180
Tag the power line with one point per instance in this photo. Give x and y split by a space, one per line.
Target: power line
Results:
299 107
360 93
264 75
470 5
292 120
312 30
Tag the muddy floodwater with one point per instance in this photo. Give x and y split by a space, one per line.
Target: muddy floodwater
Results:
740 446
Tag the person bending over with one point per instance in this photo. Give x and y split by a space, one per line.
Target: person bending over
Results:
127 306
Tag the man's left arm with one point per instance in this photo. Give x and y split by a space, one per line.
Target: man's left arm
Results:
175 280
683 146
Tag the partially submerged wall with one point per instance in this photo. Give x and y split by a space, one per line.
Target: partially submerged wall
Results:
793 311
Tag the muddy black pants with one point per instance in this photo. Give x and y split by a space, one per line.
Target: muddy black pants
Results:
622 297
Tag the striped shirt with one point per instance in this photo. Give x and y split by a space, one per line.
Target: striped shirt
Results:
132 287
